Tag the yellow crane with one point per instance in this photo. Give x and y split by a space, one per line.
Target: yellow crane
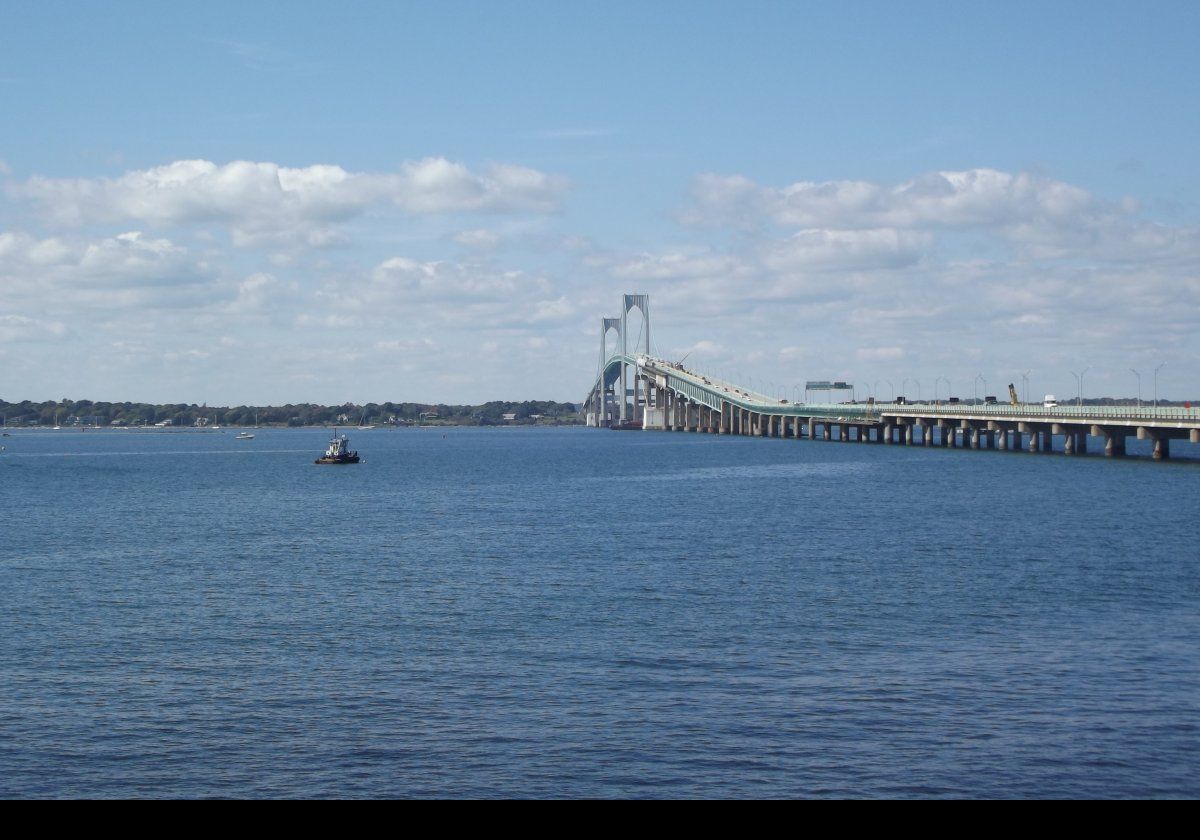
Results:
1012 394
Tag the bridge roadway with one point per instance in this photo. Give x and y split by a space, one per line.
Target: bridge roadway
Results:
673 397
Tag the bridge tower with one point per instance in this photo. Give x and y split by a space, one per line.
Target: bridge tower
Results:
602 404
641 348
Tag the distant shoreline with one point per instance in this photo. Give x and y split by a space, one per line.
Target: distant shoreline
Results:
95 414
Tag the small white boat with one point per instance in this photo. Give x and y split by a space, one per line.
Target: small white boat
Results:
244 436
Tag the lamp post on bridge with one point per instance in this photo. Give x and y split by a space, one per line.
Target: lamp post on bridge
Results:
1079 380
978 377
1139 381
936 382
1025 386
1156 370
891 388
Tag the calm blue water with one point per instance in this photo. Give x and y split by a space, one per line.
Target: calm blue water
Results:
577 612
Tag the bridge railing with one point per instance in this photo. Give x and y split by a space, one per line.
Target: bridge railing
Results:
1084 412
711 392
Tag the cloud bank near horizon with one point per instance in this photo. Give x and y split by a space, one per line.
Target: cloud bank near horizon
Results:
210 276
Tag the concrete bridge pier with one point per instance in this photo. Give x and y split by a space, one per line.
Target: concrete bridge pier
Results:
926 434
908 435
826 431
1069 444
1162 448
887 433
1162 442
1114 445
1001 439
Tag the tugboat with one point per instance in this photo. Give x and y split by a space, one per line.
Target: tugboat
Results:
338 451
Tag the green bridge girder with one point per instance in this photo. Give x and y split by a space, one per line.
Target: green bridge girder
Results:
713 393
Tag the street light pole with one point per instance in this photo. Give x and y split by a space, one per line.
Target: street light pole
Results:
1156 370
1079 380
1025 386
1139 381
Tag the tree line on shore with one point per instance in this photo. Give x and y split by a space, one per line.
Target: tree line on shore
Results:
67 412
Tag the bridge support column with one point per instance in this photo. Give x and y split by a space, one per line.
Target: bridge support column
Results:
1114 444
908 435
887 433
1002 439
1033 440
826 431
1069 444
1081 442
1162 448
926 434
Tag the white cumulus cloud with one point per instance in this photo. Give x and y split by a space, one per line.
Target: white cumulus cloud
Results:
258 201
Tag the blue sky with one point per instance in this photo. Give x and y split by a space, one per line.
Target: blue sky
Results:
438 202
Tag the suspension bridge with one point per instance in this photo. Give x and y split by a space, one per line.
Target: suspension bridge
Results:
635 390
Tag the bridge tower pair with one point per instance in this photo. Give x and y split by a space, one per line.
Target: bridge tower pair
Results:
621 386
